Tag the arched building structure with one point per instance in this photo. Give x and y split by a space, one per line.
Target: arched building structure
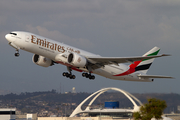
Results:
96 94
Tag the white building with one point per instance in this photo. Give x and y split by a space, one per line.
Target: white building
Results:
7 113
123 113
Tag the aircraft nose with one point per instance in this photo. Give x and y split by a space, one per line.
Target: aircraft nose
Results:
7 36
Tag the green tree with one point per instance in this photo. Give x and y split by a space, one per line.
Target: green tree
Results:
154 108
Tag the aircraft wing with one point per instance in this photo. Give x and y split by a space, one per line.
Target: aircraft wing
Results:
154 76
116 60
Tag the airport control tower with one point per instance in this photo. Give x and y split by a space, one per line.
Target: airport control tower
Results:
73 90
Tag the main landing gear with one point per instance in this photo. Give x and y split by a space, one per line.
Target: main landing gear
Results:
17 53
91 77
69 75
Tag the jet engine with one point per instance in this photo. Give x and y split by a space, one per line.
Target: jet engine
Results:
42 61
77 60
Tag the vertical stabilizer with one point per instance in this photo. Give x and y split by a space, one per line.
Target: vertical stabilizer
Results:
145 64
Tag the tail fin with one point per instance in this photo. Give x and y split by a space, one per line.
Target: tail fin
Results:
144 65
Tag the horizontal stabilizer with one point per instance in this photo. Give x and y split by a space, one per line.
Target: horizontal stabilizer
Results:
154 76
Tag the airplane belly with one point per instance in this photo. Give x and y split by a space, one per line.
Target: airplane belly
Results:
109 71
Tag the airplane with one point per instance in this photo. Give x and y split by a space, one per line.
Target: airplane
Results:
48 52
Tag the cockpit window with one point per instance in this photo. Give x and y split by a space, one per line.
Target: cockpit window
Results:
13 33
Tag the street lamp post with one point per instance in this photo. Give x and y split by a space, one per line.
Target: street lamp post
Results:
100 108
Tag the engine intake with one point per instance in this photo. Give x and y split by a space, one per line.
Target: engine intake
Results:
42 61
77 60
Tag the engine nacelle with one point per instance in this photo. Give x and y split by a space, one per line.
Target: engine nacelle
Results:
77 60
42 61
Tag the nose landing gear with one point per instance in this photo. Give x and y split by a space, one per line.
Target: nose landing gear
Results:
17 53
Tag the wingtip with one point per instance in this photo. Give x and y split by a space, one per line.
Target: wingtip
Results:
166 55
172 77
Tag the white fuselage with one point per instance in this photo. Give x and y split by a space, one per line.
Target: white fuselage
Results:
50 49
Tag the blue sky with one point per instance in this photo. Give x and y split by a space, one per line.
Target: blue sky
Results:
117 28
